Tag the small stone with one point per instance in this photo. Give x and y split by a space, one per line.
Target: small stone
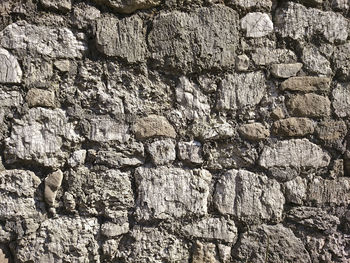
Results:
293 127
257 24
204 253
224 253
62 5
337 169
190 152
277 113
341 100
254 131
62 65
162 151
266 56
84 15
341 61
242 63
104 129
331 130
77 158
153 126
315 62
307 84
10 71
128 7
309 105
252 4
285 70
52 184
295 190
111 230
38 97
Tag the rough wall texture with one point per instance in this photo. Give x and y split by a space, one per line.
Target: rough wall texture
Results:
201 131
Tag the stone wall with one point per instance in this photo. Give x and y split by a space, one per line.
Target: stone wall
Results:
202 131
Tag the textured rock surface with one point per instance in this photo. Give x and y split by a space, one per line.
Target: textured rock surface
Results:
309 105
285 70
293 127
306 84
257 24
341 101
10 70
128 7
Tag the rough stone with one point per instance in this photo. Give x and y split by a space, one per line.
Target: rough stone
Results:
254 131
341 61
64 5
166 193
296 153
10 70
3 258
286 70
38 137
190 152
111 230
250 197
212 229
299 23
315 62
204 253
77 158
128 7
252 4
331 130
309 105
84 15
162 151
265 56
237 91
52 184
214 130
274 242
42 98
153 126
27 39
37 72
242 63
307 84
104 129
123 38
295 190
203 39
257 24
293 127
341 100
10 98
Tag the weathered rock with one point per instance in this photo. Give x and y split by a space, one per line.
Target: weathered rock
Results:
3 258
153 126
27 39
341 60
203 39
242 63
286 70
128 7
299 23
309 105
257 24
101 193
112 230
250 197
293 127
254 131
212 229
341 4
123 38
64 5
55 238
341 100
331 131
337 169
295 190
10 70
252 4
307 84
273 242
37 72
10 98
278 113
315 62
224 253
153 245
298 153
84 15
204 253
213 130
77 158
62 65
38 137
167 193
265 56
162 151
190 152
38 97
52 184
237 91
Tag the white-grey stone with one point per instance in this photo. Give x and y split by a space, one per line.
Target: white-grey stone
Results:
77 158
10 70
190 152
341 61
10 98
252 4
266 56
286 70
257 24
62 5
315 62
295 190
128 7
52 183
105 129
341 100
242 62
162 151
111 230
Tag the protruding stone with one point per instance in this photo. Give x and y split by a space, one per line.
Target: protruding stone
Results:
257 24
242 63
62 65
295 190
112 230
190 152
104 129
293 127
128 7
254 131
239 193
265 56
315 62
63 5
10 71
286 70
77 158
38 97
52 184
309 105
153 126
162 151
307 84
341 100
296 153
204 253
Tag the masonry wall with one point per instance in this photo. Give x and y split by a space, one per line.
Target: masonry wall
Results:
174 131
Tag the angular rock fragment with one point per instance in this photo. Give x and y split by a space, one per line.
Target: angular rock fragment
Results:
120 159
38 137
299 23
123 38
309 105
128 7
77 158
257 24
242 63
38 97
331 131
162 151
63 5
166 193
190 152
63 239
52 184
250 197
10 70
295 190
213 130
315 62
10 98
265 56
112 230
104 129
213 229
27 39
204 252
252 4
254 131
307 84
153 126
297 153
341 100
341 60
37 72
293 127
285 70
84 15
204 39
273 242
241 90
